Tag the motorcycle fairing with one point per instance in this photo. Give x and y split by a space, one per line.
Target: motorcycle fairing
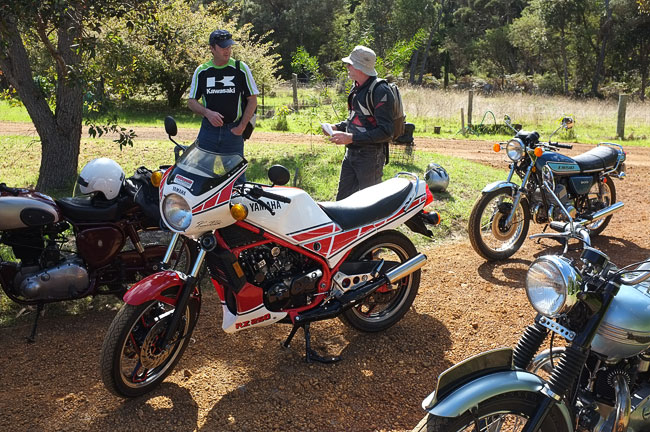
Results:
151 288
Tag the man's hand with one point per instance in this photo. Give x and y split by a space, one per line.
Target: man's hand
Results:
239 129
341 138
215 118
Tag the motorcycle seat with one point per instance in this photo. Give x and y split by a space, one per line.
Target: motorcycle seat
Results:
597 159
84 209
370 204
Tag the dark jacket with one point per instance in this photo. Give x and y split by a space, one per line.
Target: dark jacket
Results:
369 126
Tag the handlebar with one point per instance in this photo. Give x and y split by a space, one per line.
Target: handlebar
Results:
276 197
645 274
558 145
567 230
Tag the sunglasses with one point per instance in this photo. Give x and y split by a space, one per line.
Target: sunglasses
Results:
219 38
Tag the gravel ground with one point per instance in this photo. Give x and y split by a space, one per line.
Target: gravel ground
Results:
246 381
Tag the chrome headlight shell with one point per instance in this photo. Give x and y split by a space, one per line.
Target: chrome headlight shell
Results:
552 285
176 212
515 149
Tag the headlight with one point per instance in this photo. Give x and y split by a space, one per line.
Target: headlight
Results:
177 212
552 285
515 149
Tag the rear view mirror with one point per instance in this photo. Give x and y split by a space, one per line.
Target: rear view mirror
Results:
170 126
279 175
567 122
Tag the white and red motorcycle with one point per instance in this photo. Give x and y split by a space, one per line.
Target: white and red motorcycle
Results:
274 255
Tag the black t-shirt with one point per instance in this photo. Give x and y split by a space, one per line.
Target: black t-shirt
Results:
223 88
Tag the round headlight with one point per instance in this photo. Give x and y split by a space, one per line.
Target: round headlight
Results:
552 285
515 149
177 213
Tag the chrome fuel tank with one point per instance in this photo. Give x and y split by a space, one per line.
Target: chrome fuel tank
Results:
28 209
625 330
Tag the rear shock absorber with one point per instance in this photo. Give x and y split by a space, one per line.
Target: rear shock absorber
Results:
528 345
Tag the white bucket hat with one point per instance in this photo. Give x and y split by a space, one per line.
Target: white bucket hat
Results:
362 58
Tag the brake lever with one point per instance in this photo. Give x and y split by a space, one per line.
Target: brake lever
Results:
255 197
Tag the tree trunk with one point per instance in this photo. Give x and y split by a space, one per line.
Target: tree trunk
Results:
565 62
605 31
60 132
643 54
414 63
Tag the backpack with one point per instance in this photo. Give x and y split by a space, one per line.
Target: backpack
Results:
399 118
248 131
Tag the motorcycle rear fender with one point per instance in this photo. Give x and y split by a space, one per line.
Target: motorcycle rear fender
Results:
483 388
498 185
151 288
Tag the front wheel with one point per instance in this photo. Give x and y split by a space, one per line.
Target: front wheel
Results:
489 235
388 304
132 363
507 412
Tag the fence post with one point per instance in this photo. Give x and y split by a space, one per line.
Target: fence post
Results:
294 82
470 100
620 124
462 120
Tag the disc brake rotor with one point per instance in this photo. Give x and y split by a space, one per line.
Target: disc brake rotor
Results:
151 355
497 227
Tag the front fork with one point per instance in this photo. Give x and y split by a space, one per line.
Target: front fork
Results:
186 290
518 192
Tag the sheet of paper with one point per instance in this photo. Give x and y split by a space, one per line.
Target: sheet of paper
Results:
327 128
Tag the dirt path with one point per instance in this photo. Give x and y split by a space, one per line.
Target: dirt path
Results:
246 382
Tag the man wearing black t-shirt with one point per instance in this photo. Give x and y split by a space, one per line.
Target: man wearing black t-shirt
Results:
220 90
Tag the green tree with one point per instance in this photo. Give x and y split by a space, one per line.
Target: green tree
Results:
65 34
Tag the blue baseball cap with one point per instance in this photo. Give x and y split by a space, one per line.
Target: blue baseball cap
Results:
223 38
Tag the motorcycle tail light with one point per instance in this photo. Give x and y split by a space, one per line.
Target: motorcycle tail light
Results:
429 197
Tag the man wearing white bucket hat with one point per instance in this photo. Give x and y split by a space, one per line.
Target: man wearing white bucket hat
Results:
367 128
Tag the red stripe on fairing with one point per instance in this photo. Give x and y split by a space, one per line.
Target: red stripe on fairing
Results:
318 232
344 239
324 246
162 181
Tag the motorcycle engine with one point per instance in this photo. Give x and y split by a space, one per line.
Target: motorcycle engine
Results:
544 214
288 278
64 281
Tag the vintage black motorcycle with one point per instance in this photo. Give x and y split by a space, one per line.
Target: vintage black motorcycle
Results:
39 264
599 381
553 187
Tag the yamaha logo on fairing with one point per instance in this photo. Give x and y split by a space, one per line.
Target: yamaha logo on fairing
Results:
273 205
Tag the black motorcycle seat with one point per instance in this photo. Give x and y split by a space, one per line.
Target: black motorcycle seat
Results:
370 204
85 209
597 159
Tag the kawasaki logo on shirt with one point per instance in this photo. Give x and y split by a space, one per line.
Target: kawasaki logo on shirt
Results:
227 81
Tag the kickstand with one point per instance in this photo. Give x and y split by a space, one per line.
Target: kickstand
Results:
32 337
310 354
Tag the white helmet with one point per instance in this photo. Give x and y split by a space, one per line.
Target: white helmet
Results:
436 177
101 175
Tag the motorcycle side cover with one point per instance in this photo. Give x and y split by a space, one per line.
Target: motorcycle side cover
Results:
479 378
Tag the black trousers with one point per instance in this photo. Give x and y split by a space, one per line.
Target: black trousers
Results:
362 166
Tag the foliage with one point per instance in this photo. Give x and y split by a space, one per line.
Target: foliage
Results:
281 123
305 66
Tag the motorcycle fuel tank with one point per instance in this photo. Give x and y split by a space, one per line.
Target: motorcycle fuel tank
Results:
625 330
558 163
30 210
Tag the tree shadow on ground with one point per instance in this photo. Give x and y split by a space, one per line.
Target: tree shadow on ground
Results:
372 385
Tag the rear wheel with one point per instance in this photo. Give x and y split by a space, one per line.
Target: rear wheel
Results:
388 304
132 363
489 234
600 196
507 412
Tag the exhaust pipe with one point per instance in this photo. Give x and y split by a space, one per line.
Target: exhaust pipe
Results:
336 306
600 214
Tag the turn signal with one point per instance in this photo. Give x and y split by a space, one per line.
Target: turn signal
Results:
239 212
539 151
496 147
156 177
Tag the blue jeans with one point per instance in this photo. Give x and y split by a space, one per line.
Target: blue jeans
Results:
221 140
362 166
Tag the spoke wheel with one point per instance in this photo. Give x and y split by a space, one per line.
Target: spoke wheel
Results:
132 362
508 412
489 234
600 196
388 304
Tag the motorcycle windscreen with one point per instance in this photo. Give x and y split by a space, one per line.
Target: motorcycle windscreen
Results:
200 170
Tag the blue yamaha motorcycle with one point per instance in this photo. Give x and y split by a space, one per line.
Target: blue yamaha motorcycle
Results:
552 187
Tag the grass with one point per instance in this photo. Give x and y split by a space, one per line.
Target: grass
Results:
595 119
